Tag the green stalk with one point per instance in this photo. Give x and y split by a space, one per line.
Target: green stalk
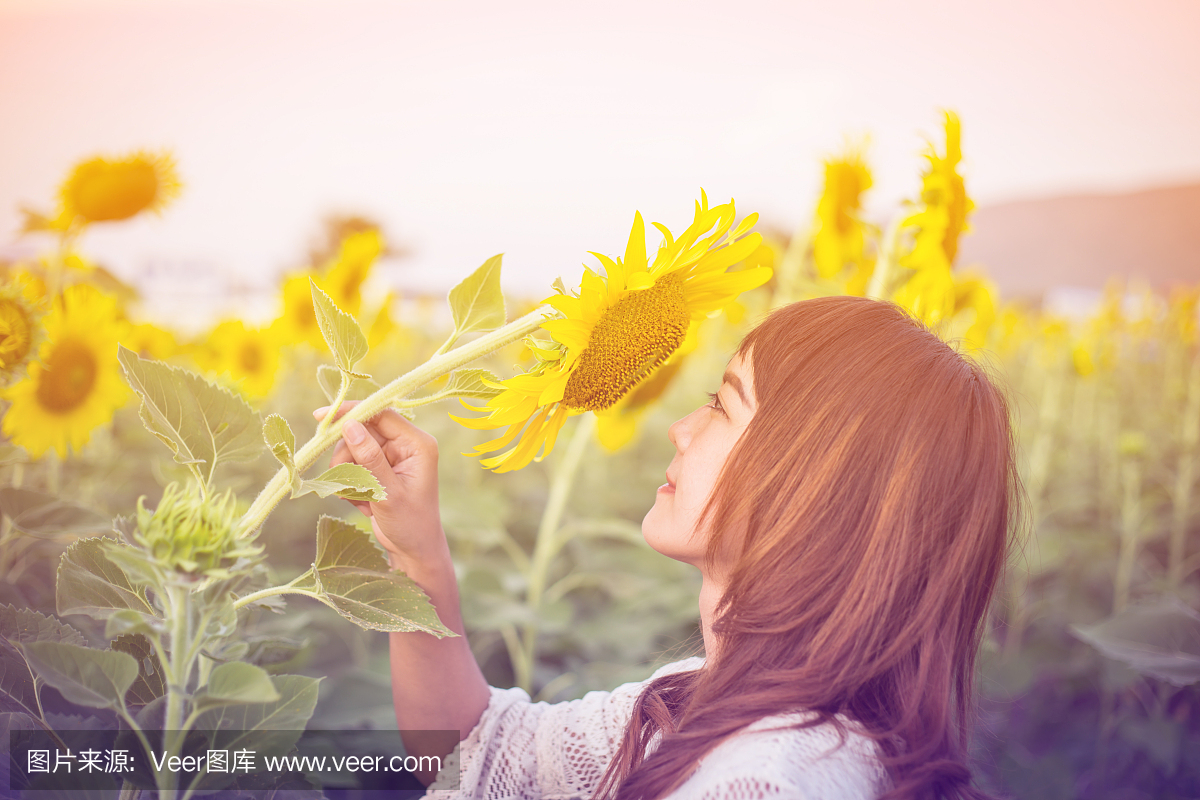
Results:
343 390
1131 521
279 485
177 680
882 273
1035 484
547 543
1185 479
791 265
271 591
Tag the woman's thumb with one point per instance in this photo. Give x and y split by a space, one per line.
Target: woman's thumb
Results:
366 451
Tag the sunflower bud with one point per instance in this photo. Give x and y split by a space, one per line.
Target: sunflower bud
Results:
193 535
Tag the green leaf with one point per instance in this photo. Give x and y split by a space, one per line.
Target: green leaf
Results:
477 302
237 682
279 437
90 583
149 685
472 382
19 626
1161 640
329 379
345 339
94 678
24 625
351 481
200 422
243 725
139 566
351 576
125 621
44 515
18 693
341 544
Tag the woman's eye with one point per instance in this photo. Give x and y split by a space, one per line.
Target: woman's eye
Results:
714 402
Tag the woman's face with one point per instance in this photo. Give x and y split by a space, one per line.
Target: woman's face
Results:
703 441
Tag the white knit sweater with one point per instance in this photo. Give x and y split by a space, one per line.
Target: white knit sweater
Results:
521 749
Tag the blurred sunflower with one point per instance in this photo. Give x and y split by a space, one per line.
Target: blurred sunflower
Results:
939 225
839 235
298 322
613 334
249 356
20 329
104 190
382 325
1183 306
974 307
345 276
75 386
150 341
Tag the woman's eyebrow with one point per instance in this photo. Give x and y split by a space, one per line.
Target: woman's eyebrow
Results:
736 383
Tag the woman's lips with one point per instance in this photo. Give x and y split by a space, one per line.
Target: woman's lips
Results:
668 487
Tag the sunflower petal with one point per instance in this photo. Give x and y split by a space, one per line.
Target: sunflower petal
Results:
571 332
635 250
553 427
728 256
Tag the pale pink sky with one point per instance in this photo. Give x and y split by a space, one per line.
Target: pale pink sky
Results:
536 129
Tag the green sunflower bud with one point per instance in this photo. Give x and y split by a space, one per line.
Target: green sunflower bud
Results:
193 535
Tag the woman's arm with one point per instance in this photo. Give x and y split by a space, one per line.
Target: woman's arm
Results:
436 683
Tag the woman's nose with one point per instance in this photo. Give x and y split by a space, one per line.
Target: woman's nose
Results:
680 433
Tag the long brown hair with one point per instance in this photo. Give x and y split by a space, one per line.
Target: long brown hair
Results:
875 496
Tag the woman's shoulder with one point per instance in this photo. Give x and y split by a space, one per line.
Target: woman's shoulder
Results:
774 758
683 665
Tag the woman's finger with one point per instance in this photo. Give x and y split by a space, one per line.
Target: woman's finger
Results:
367 452
321 412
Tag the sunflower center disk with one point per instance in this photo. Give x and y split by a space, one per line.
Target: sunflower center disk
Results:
632 338
69 378
118 192
251 357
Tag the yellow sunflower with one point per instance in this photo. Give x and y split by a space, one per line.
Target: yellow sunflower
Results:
839 235
104 190
298 323
75 386
942 220
939 224
617 425
20 328
249 356
613 333
344 279
150 341
974 307
383 325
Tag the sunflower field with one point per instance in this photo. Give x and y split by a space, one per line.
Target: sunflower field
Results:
152 576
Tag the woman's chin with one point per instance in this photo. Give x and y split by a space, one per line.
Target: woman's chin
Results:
661 535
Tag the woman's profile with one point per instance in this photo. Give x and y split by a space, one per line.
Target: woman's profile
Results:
848 496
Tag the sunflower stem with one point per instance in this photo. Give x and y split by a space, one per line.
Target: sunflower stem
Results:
547 544
279 485
792 264
878 287
343 390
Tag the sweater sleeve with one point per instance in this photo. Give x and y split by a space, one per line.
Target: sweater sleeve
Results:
522 749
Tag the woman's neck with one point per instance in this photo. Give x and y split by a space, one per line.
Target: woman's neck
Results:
711 591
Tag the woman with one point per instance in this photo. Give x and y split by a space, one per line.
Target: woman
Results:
847 496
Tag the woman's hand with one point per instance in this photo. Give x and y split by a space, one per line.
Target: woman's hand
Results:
436 684
403 458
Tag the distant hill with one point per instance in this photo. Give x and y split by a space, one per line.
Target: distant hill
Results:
1030 246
